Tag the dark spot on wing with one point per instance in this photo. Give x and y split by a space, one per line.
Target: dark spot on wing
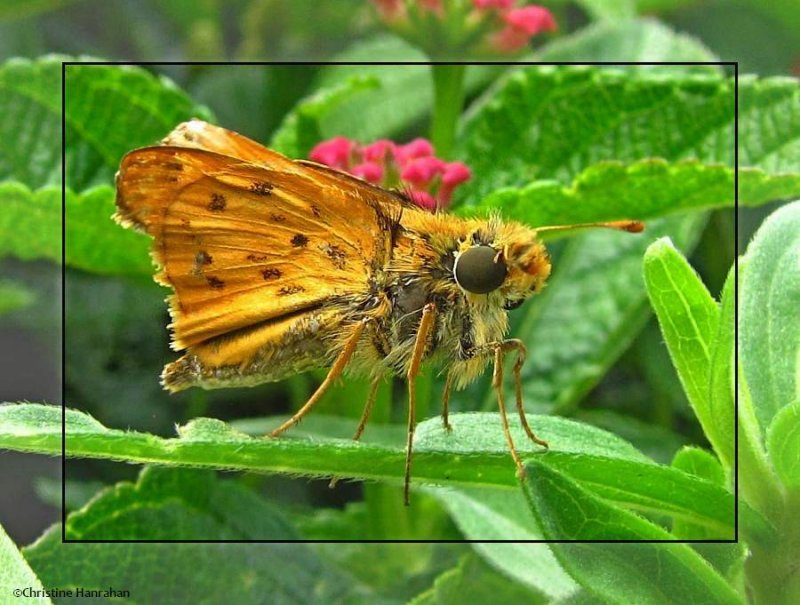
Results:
177 166
299 240
217 203
286 290
315 210
261 188
256 258
271 273
215 282
201 259
277 218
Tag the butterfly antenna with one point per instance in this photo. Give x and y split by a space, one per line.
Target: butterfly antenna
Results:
629 226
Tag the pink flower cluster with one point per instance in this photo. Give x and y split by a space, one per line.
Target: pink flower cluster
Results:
503 26
519 24
429 181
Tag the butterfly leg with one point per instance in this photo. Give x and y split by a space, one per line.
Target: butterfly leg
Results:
373 394
521 354
448 385
420 344
497 383
336 370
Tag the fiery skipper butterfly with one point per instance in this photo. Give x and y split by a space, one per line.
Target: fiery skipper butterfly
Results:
280 266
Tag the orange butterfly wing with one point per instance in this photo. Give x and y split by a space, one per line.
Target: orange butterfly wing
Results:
253 245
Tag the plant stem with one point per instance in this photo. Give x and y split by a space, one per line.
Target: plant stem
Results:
774 575
448 98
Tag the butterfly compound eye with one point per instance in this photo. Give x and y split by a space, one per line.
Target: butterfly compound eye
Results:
479 270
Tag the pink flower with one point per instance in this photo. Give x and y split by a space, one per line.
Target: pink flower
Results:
455 173
428 180
465 27
376 152
530 20
421 171
415 149
521 25
334 152
369 171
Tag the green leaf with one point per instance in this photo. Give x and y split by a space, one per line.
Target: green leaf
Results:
30 222
618 573
609 190
762 104
700 463
770 314
653 489
366 102
554 122
302 128
111 110
193 573
17 575
631 40
474 453
472 581
566 511
178 504
94 242
616 10
13 296
783 444
758 482
486 515
722 408
30 131
689 320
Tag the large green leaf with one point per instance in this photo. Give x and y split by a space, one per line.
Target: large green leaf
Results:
473 454
617 39
178 504
110 110
619 573
487 515
366 102
191 572
30 131
654 188
769 319
689 319
18 582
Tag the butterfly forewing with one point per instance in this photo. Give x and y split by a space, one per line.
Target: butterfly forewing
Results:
247 248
